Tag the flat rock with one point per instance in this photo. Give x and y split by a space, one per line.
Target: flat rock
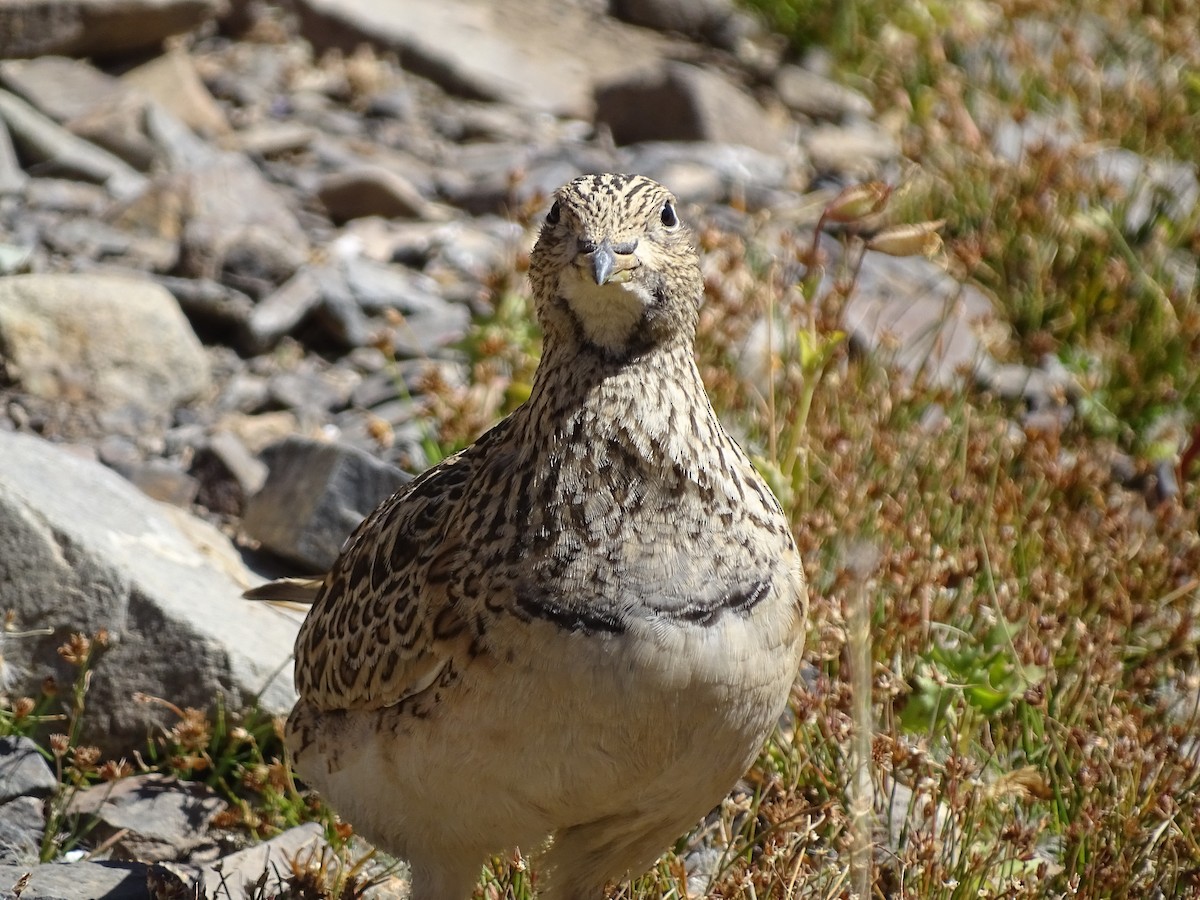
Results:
166 585
60 87
151 817
237 872
56 151
315 495
22 827
371 191
911 314
535 54
172 81
857 150
102 341
78 880
678 101
94 27
818 97
23 770
12 177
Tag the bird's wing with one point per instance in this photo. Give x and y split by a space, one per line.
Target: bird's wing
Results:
389 620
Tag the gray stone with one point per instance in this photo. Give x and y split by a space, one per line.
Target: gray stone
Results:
228 473
315 495
23 770
238 226
104 341
371 191
56 151
533 54
90 239
1149 187
79 880
678 101
94 27
234 874
171 80
706 172
151 817
162 480
222 312
120 128
818 97
273 138
427 322
12 177
62 195
858 150
277 314
61 88
338 315
703 19
913 315
84 550
22 826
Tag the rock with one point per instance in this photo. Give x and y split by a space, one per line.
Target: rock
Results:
371 191
238 229
12 177
218 312
61 88
161 480
23 770
120 128
172 81
272 139
85 550
284 309
427 323
818 97
151 817
228 473
1150 187
315 495
857 151
22 826
61 195
94 27
913 315
77 880
89 103
56 151
104 341
528 53
704 172
236 873
87 238
715 21
680 102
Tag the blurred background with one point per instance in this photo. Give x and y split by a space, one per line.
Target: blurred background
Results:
260 263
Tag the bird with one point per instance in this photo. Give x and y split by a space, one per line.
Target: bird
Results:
574 636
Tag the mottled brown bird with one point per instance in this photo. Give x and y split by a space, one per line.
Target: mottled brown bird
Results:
583 626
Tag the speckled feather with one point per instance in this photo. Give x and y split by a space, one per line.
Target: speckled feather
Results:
609 525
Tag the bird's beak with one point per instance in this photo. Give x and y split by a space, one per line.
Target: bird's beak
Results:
603 262
607 265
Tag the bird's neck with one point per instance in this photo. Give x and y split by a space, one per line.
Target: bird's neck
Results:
652 405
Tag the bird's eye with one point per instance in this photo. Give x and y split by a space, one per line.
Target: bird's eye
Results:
668 215
555 214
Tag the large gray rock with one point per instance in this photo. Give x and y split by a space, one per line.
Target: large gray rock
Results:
534 54
315 495
23 770
56 151
150 817
911 314
76 881
81 550
680 102
94 27
105 341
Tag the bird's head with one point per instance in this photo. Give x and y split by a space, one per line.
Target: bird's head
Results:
614 266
